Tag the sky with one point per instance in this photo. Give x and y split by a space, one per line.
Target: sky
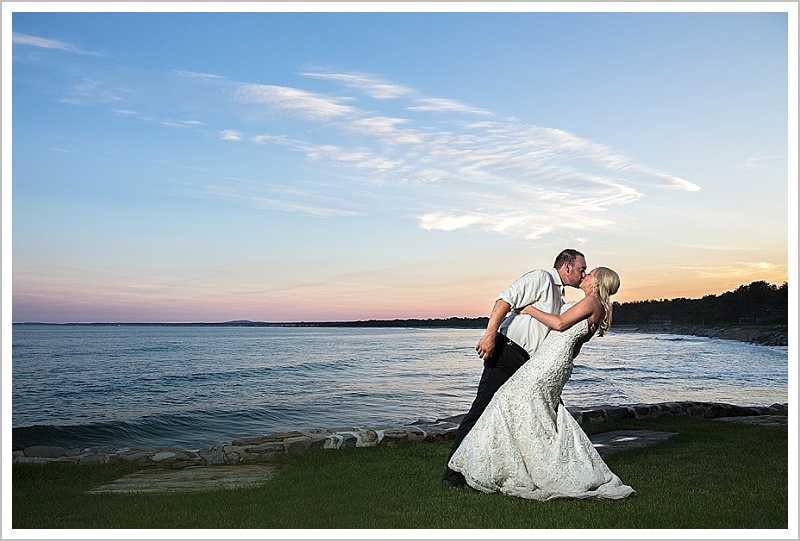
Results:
255 163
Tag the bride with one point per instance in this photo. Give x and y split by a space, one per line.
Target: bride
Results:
526 443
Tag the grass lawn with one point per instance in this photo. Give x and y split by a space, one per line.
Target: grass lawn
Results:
712 475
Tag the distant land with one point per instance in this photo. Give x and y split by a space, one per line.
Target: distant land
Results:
758 303
453 322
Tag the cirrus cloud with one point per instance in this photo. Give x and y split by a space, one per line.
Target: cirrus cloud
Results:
503 175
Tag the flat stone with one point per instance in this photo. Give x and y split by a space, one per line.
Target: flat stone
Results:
304 444
93 459
133 456
193 479
620 440
213 456
44 451
199 479
267 448
271 438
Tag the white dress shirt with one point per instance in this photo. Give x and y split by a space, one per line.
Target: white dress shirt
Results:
544 290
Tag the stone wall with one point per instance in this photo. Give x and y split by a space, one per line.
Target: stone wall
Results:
267 448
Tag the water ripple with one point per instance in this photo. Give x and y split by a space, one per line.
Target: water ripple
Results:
199 385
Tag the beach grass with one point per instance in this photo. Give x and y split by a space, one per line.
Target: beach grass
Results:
711 475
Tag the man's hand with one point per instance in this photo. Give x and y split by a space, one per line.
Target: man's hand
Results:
486 345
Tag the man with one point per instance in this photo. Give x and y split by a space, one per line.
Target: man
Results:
511 338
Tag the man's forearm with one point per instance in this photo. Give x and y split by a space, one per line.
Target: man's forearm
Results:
499 312
486 343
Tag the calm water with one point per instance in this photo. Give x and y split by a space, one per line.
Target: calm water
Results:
198 386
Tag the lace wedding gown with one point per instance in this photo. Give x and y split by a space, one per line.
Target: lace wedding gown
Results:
527 444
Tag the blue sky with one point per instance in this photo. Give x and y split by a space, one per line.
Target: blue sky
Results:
333 166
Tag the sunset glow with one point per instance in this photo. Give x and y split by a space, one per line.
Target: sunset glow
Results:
314 166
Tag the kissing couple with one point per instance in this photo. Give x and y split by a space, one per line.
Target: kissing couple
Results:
518 437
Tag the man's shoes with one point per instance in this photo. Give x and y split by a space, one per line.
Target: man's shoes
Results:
449 483
453 479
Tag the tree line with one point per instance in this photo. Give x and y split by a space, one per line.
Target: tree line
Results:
759 303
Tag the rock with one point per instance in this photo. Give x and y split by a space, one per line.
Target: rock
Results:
180 464
32 460
694 410
93 459
305 444
266 449
392 436
233 454
594 416
619 413
642 410
271 438
249 457
213 456
133 456
333 441
43 451
369 437
719 410
106 450
414 434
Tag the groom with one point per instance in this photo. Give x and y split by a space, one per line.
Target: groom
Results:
511 338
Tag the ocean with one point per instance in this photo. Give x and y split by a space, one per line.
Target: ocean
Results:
193 387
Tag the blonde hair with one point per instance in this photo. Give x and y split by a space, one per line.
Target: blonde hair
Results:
606 283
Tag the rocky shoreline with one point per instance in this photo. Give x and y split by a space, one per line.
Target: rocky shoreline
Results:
762 337
266 449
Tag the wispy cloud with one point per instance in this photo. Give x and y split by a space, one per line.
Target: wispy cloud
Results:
93 91
310 199
503 175
371 85
757 265
445 105
230 135
200 76
449 222
308 105
410 154
46 43
758 161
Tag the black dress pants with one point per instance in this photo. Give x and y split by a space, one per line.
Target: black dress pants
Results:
506 359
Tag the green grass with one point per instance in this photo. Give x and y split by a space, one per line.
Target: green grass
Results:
716 475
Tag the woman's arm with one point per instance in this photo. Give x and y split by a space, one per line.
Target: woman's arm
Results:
559 322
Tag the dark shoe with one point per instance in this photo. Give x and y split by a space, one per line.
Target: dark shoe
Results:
453 479
453 484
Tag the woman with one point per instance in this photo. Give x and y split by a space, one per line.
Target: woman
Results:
526 443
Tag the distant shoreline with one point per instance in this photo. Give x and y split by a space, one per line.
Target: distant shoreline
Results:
767 335
449 323
770 335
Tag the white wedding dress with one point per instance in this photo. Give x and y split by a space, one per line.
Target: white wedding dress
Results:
527 444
